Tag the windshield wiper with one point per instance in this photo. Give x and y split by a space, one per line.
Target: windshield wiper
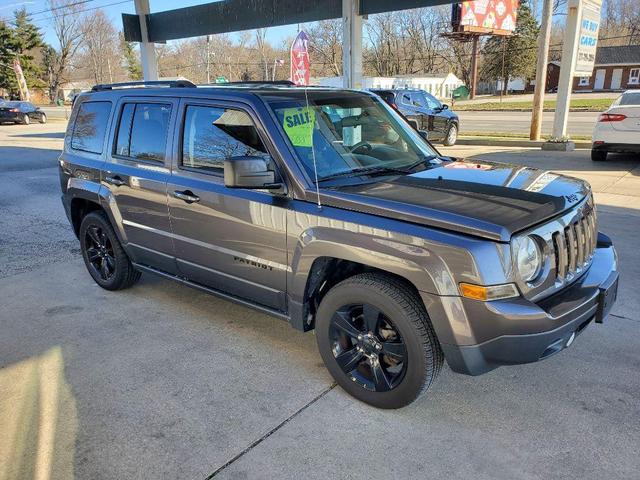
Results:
363 171
378 170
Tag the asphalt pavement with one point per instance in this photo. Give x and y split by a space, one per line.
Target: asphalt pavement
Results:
162 381
580 123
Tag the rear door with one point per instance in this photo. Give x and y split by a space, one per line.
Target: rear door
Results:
136 173
233 240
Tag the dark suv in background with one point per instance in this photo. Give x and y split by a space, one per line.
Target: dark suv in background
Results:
425 112
324 208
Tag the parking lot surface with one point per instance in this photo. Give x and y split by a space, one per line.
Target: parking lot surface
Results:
162 381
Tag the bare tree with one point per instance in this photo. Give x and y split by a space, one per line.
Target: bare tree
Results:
262 47
100 46
66 19
325 48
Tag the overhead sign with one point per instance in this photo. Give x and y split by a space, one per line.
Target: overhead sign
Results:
300 64
494 17
588 44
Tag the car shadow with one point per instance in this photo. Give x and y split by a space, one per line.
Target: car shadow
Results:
56 135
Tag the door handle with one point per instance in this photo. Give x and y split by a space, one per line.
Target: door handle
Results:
115 180
187 196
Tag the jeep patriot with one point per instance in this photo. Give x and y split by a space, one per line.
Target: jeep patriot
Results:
325 208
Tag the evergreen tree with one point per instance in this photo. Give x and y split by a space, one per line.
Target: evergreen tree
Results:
518 51
27 38
8 48
131 61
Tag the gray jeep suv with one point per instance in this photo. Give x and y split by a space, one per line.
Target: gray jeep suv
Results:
325 208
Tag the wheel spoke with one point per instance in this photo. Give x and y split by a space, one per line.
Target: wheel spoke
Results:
349 359
93 235
104 270
111 262
380 378
92 254
371 315
394 350
342 321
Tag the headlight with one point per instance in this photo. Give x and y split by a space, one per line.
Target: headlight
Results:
528 258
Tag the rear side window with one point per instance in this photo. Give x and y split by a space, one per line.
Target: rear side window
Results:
90 127
212 134
142 132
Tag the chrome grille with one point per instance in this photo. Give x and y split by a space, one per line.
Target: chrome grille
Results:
574 247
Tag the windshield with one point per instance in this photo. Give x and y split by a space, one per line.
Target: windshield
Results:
350 134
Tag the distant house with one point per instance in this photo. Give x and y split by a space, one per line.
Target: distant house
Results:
617 68
71 89
438 85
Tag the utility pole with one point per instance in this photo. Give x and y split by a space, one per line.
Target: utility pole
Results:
541 71
474 67
208 59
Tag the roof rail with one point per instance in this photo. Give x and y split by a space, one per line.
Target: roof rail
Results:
157 83
257 83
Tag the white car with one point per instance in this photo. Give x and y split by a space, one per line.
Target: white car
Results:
618 129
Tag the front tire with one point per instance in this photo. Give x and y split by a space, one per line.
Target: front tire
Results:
43 118
376 339
452 136
598 155
105 259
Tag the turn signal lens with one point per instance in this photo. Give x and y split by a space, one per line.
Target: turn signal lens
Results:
485 294
612 117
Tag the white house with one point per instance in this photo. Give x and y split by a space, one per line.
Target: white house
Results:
439 85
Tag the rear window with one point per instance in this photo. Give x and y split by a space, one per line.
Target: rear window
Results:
630 99
90 127
142 133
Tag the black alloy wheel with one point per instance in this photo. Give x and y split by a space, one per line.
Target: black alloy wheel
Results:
105 259
368 347
99 252
377 341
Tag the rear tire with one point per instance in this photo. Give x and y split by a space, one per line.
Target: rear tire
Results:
26 120
376 339
105 259
452 136
598 155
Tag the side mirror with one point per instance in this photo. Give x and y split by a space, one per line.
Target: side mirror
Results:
424 134
248 172
413 123
445 106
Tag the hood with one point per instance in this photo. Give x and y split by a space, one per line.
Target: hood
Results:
490 200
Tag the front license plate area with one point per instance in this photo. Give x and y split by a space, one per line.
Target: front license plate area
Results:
607 297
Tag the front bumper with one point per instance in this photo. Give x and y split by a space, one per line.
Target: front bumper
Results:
477 337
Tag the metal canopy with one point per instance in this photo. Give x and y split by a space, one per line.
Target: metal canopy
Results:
236 15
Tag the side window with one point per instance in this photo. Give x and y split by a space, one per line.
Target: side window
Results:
90 126
418 99
143 129
406 99
212 134
432 102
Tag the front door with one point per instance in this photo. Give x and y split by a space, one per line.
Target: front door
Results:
599 83
616 79
136 173
233 240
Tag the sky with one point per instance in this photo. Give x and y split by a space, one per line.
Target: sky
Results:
114 9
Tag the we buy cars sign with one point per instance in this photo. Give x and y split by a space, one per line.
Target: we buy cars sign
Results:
300 59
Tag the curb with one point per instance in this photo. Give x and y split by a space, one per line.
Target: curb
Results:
498 142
